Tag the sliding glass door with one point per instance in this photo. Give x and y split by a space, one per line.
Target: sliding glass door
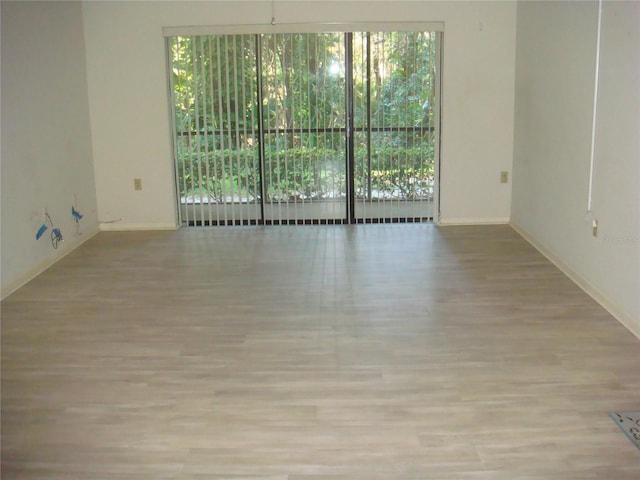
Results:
216 140
395 126
303 132
306 127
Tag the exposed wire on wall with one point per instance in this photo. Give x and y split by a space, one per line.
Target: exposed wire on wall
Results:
273 12
56 235
595 111
75 213
77 216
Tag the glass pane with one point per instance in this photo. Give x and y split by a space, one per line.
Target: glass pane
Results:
215 106
303 88
394 90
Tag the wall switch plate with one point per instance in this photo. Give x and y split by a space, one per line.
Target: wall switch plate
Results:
137 184
594 228
504 177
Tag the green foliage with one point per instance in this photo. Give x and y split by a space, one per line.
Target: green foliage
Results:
303 174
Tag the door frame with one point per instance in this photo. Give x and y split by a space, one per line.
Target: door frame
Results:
347 29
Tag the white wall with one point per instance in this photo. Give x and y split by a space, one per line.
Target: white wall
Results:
555 84
128 95
46 145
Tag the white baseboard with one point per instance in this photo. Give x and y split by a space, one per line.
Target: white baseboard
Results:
124 227
475 221
36 270
605 302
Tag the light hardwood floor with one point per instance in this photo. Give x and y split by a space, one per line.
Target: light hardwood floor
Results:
313 353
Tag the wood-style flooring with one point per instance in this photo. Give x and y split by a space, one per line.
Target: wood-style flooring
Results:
313 353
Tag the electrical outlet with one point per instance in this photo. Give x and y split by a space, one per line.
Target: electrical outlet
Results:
504 177
137 184
594 228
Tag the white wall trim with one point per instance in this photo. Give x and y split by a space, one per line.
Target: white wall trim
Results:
302 27
32 273
124 227
595 293
475 221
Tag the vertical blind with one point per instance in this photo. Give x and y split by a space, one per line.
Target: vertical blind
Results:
305 127
216 129
395 122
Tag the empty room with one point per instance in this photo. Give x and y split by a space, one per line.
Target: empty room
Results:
314 240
